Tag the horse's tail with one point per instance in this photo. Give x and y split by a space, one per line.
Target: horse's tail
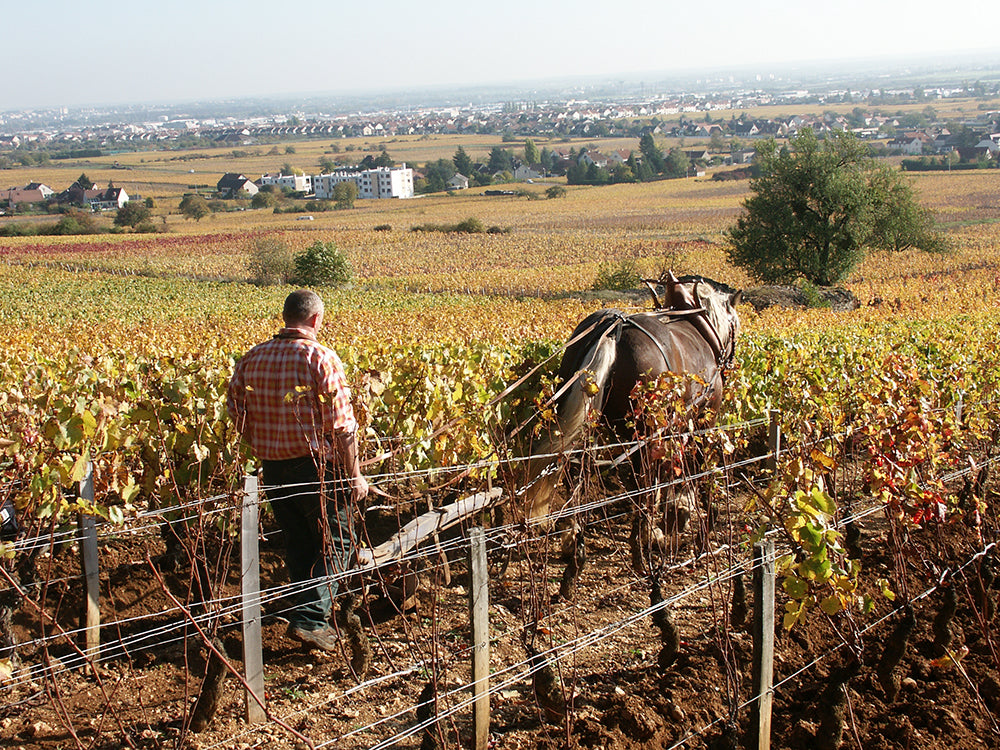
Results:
586 372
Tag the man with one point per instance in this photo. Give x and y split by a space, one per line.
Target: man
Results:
290 400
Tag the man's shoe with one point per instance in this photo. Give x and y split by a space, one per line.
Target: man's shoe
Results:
324 637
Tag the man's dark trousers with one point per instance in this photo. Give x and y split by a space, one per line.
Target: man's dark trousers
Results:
296 495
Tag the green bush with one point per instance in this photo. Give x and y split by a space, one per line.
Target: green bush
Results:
618 276
271 262
383 227
813 296
471 225
318 206
556 191
264 200
322 264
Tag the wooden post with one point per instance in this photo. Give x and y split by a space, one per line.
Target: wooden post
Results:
773 439
479 595
91 573
763 646
253 651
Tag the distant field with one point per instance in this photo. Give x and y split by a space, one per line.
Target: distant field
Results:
167 175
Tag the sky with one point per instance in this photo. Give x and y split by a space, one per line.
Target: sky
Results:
69 53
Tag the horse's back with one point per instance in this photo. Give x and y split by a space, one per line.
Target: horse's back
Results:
653 345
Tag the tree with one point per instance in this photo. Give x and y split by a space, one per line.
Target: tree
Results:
641 170
271 261
384 160
676 164
345 193
651 153
194 206
327 165
501 160
132 214
85 182
437 174
531 155
622 173
818 207
546 158
322 264
900 222
264 199
462 162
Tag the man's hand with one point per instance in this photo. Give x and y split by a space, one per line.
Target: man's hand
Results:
359 488
348 449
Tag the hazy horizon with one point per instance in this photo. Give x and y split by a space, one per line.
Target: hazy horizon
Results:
188 52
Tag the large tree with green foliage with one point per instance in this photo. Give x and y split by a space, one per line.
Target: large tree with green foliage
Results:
132 214
651 153
437 174
501 160
194 206
676 163
531 155
345 193
322 264
819 206
462 162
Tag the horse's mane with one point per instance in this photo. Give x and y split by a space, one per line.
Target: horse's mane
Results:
595 355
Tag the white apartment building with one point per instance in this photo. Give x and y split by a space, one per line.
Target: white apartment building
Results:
381 182
300 183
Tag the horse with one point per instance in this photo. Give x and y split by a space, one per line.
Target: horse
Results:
691 334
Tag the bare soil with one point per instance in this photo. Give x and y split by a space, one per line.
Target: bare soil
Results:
619 697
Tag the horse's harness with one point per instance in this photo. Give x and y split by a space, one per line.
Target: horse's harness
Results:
724 354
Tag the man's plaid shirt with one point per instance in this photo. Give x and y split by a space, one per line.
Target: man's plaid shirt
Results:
288 396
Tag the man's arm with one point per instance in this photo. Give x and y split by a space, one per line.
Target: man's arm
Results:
347 450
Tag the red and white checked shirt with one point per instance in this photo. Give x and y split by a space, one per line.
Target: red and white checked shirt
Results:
288 396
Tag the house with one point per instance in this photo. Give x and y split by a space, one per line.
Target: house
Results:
910 143
989 146
973 153
107 200
698 154
594 157
458 182
380 182
745 130
297 183
526 172
33 192
234 185
620 156
235 138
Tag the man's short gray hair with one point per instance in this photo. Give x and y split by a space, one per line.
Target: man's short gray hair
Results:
300 306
